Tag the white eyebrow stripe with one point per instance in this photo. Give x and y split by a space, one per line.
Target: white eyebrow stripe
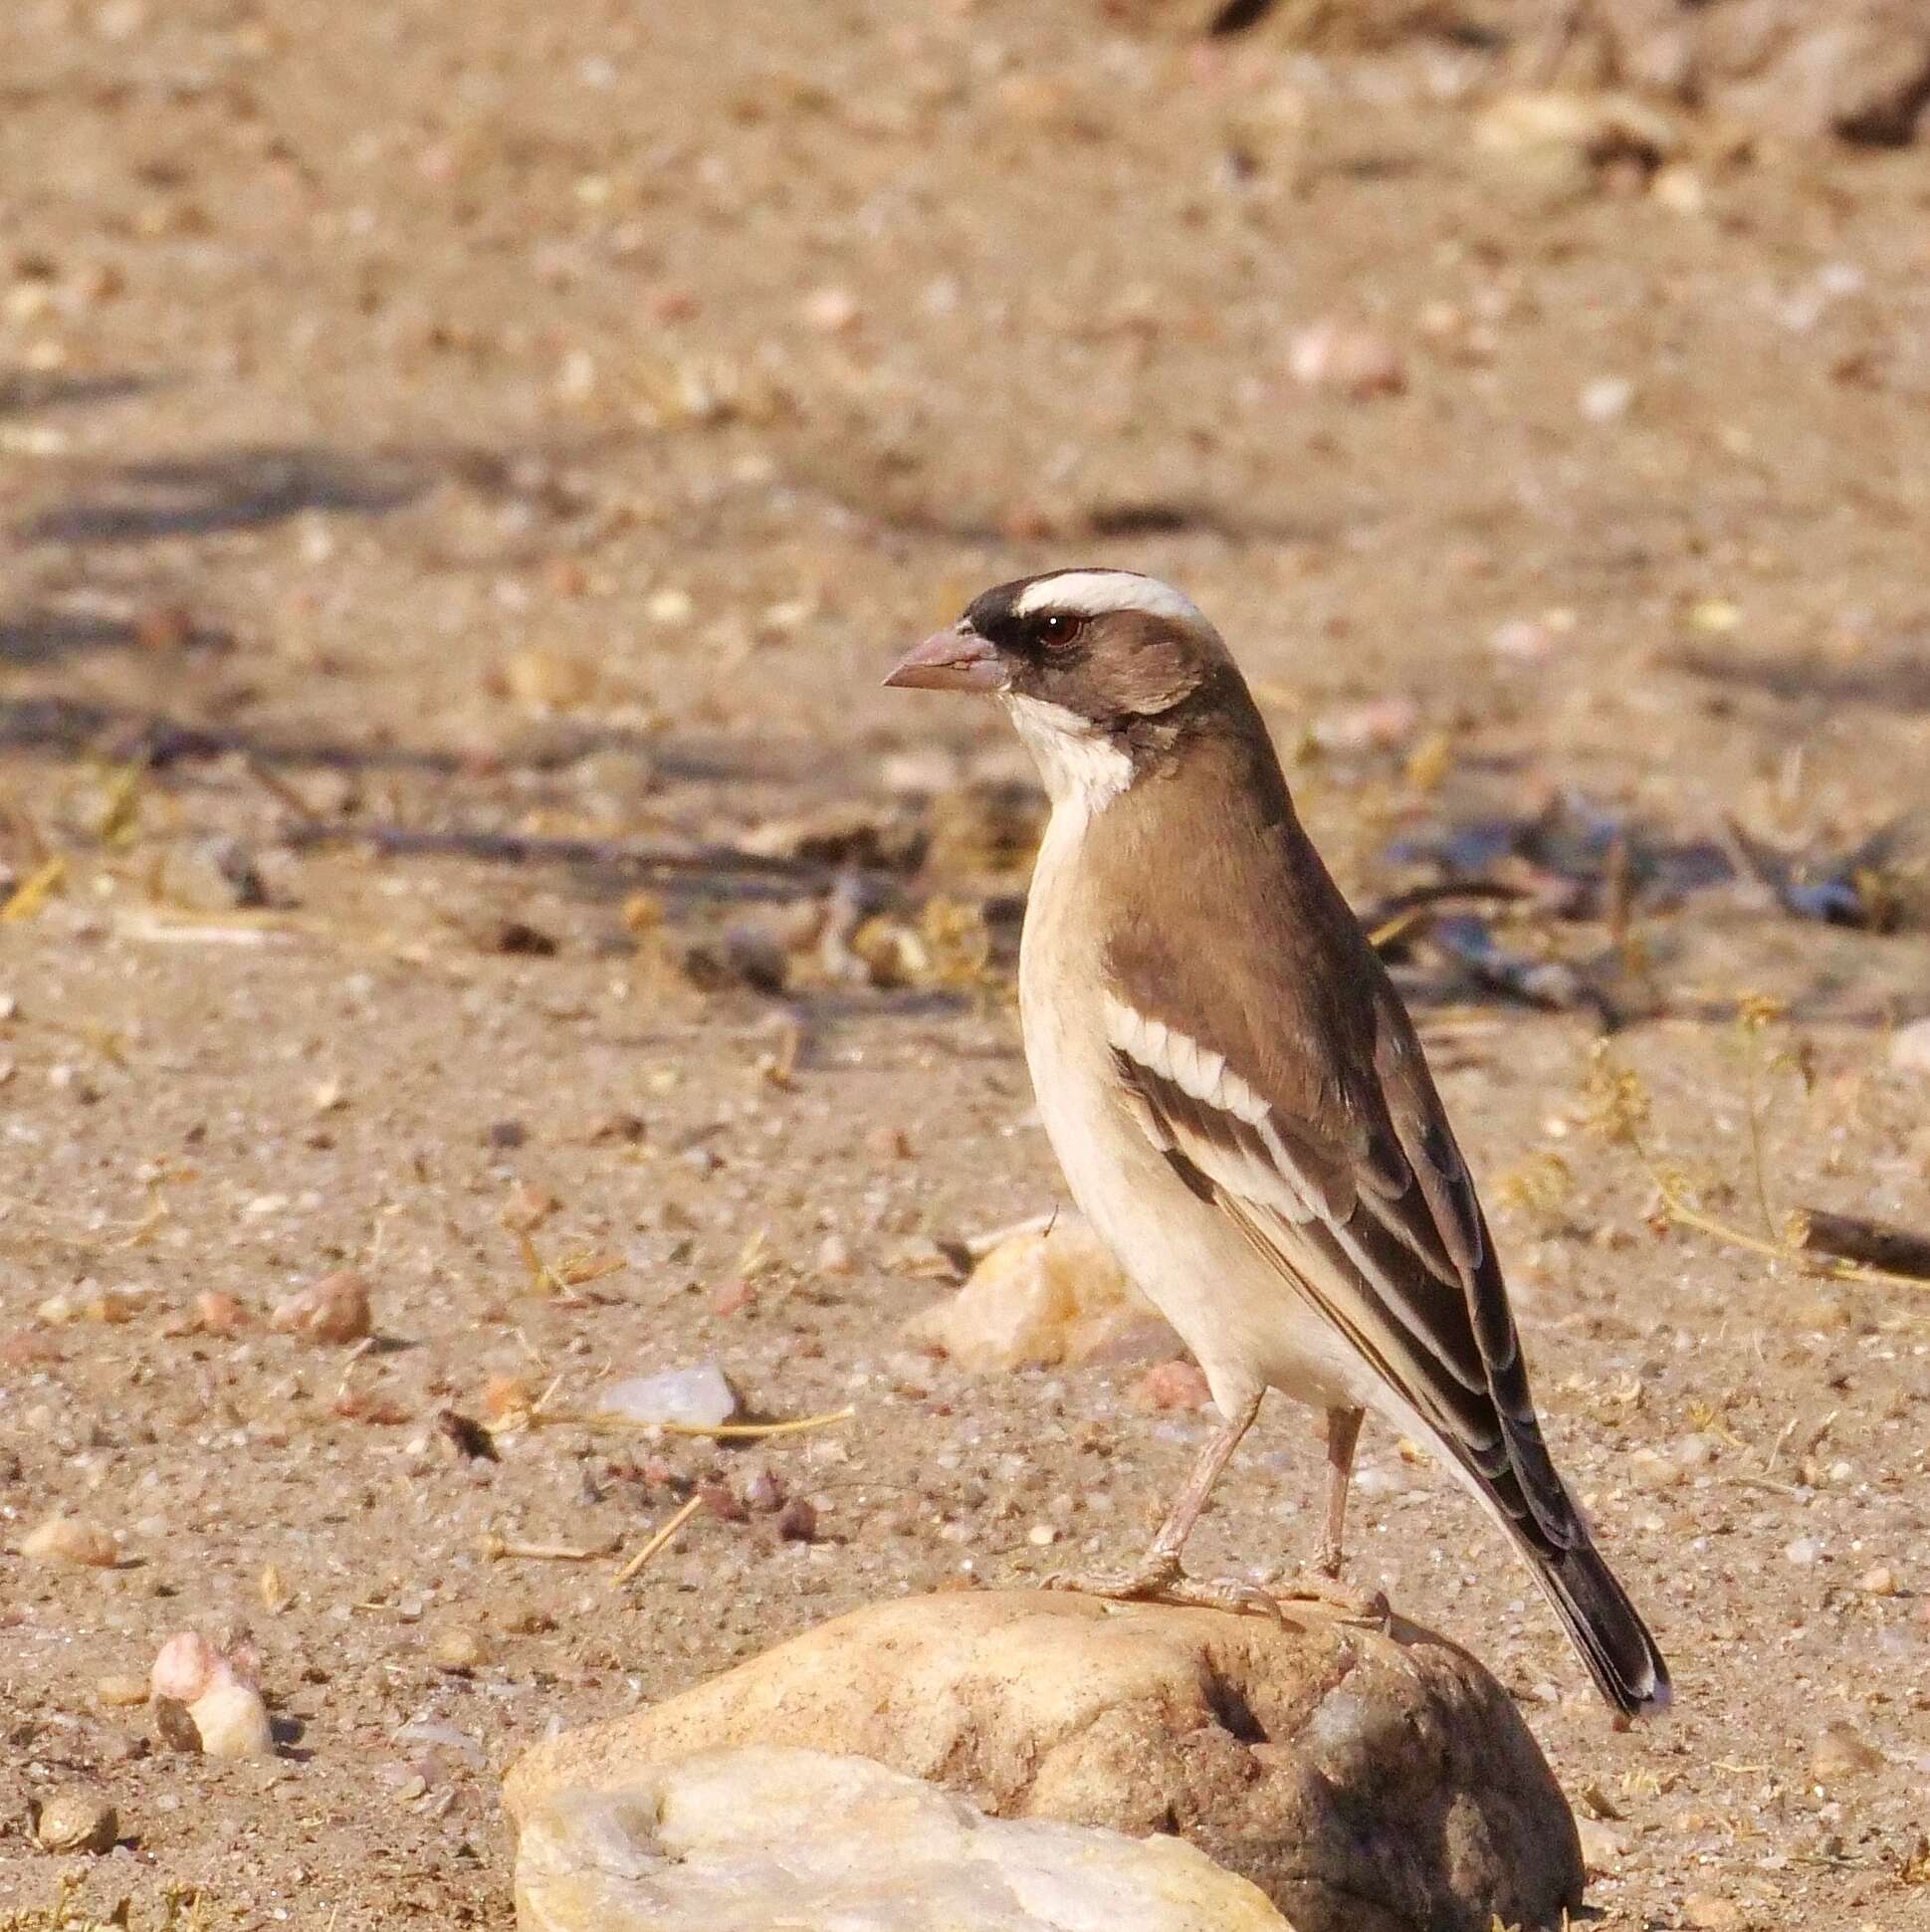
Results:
1091 593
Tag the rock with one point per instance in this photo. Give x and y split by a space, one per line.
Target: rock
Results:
699 1398
1606 398
221 874
1383 724
76 1819
1842 1752
333 1309
548 680
1858 71
1910 1047
461 1649
859 833
118 1692
744 955
1041 1297
1357 362
1603 1846
71 1539
797 1521
219 1314
176 1726
741 1841
232 1722
1173 1385
986 826
829 311
189 1666
1367 1781
1556 144
1710 1912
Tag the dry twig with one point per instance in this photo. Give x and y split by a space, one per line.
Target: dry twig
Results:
676 1522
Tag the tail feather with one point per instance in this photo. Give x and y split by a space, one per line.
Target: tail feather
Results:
1604 1628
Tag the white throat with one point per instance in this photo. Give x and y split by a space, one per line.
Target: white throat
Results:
1080 766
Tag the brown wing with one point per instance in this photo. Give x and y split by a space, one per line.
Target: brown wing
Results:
1291 1090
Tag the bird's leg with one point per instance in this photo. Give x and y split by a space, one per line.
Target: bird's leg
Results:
1158 1577
1343 1434
1324 1586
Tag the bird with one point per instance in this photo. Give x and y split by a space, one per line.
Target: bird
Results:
1238 1098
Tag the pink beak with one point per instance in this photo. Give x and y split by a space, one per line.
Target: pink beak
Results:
954 660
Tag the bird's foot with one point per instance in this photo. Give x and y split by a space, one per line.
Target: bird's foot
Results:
1319 1587
1157 1579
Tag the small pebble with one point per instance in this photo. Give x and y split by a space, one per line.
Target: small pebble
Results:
527 1207
1709 1912
1803 1550
1355 361
217 875
1842 1752
459 1648
734 1298
1878 1581
176 1726
232 1721
333 1309
76 1819
550 680
1910 1047
71 1539
1678 188
797 1521
189 1666
23 1349
1383 724
506 1396
89 1302
719 1501
1649 1469
1603 1846
699 1398
1826 1313
219 1314
118 1692
1608 397
830 311
1174 1384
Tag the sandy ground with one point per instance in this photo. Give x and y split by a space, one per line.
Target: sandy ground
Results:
549 421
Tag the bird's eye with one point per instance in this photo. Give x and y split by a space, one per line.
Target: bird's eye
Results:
1059 627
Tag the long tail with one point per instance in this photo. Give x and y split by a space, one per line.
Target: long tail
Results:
1604 1625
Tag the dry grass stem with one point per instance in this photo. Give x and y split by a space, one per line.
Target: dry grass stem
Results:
683 1512
499 1548
540 1417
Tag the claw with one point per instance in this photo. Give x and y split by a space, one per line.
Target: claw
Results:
1357 1605
1160 1579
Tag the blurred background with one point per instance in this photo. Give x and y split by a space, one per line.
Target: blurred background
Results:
463 467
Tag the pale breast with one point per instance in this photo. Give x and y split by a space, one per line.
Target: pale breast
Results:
1247 1327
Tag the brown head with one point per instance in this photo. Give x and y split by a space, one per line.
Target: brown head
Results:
1102 671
